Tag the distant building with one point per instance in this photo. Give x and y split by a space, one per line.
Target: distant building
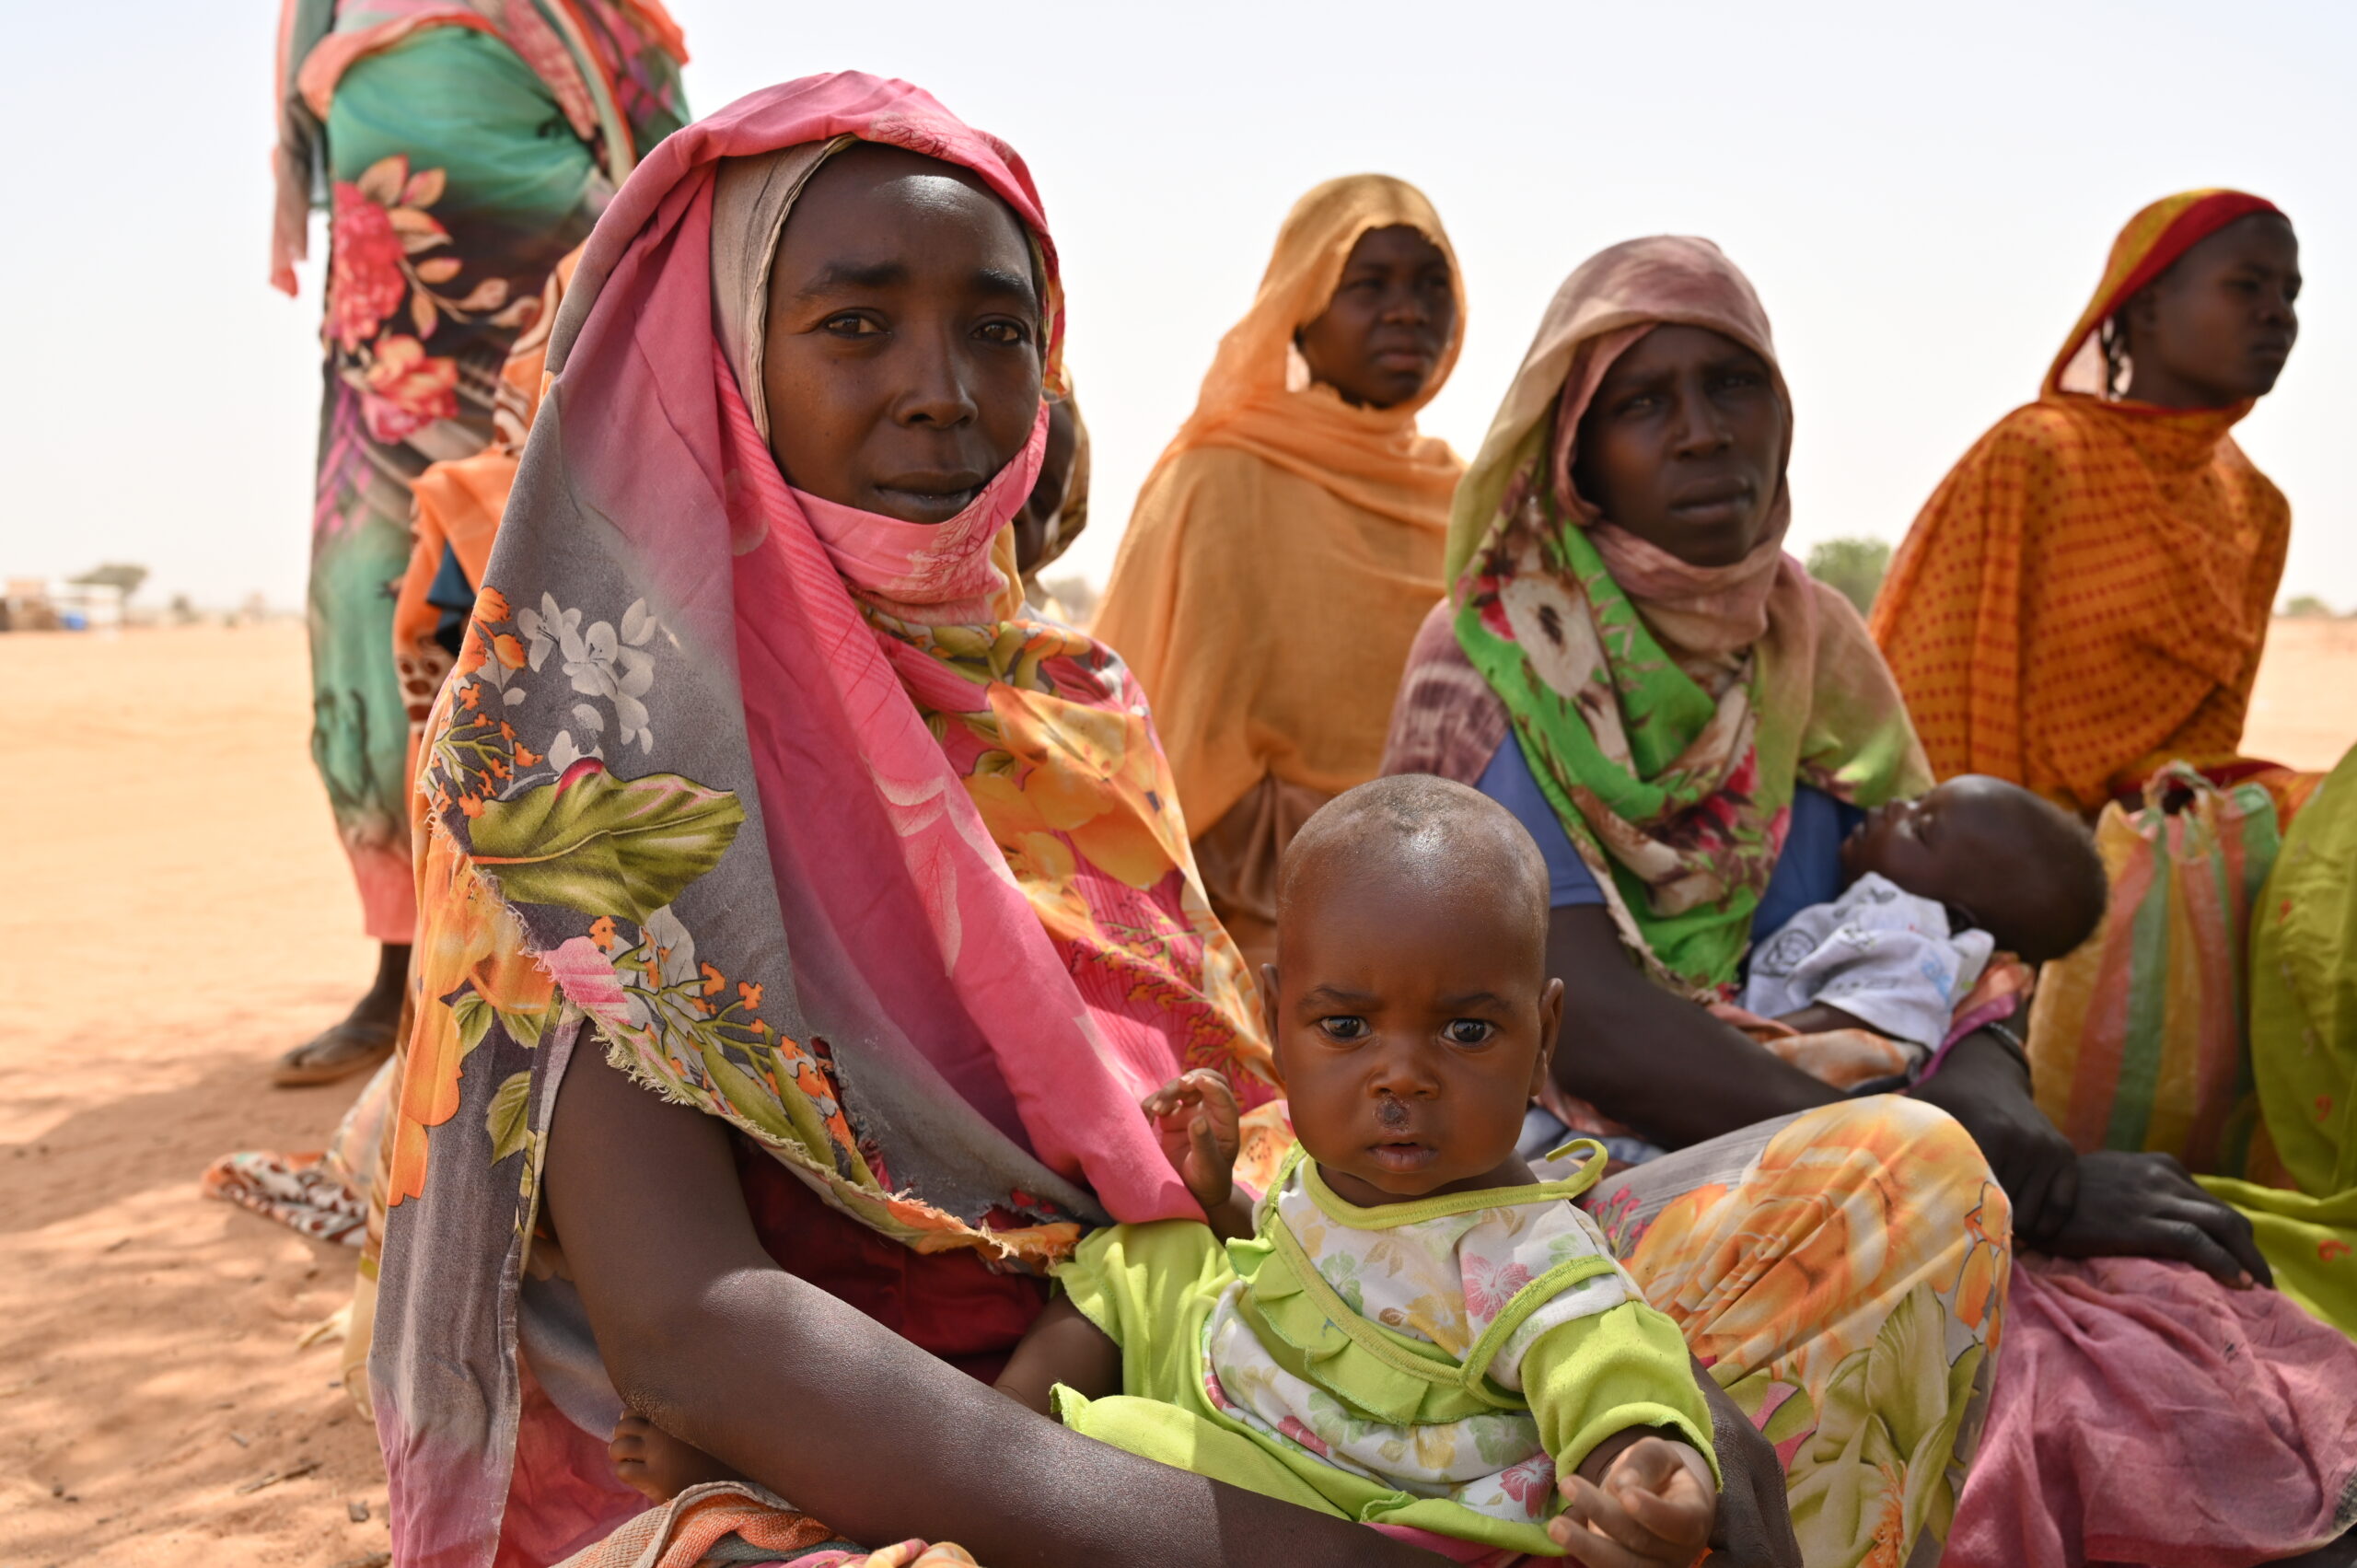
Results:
34 604
25 606
89 607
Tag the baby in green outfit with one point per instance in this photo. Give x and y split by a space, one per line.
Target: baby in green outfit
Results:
1410 1328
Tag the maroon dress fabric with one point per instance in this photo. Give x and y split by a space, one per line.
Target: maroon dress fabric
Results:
948 1303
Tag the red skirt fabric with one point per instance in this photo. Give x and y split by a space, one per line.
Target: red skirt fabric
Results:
948 1303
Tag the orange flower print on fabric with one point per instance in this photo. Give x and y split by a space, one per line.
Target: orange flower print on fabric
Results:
1980 1283
1845 1288
1093 774
404 388
1825 1225
1062 763
472 949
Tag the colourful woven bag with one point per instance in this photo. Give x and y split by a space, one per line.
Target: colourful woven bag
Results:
2138 1040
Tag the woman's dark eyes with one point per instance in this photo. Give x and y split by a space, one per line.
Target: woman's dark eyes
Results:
852 324
1470 1031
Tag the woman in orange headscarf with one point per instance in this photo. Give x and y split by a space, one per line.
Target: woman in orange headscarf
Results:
2086 595
1287 545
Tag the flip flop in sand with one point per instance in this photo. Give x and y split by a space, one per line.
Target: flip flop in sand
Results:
356 1045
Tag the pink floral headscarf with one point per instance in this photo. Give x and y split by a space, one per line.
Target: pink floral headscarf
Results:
781 811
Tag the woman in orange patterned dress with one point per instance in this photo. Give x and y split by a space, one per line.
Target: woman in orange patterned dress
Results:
2086 595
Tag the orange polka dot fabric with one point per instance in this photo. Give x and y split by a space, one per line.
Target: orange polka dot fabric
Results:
2087 593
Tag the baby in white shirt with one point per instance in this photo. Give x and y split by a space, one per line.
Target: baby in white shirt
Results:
1935 885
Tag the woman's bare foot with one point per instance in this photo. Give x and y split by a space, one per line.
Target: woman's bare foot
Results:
652 1462
362 1038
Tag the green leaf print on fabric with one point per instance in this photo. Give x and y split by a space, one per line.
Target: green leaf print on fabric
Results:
509 1119
604 845
1341 1271
1890 1412
475 1014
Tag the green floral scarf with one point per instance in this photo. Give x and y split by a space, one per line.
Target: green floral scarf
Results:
1657 779
1673 776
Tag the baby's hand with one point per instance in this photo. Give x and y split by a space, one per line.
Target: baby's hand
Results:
1196 1116
1655 1509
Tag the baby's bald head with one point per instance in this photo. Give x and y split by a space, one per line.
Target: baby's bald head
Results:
1423 837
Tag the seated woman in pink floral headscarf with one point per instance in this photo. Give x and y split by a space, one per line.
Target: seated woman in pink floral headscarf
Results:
801 924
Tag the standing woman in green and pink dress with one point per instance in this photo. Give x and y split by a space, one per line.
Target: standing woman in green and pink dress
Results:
461 147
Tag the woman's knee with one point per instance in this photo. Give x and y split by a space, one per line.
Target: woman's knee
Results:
1919 1147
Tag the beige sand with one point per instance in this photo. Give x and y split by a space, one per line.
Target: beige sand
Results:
178 915
2304 711
177 912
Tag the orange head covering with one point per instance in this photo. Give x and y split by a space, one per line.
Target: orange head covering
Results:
1254 398
1287 544
2087 593
2148 246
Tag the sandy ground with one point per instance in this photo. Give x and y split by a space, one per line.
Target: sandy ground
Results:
176 913
2303 710
179 914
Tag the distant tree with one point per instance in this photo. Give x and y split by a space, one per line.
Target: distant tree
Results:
1855 567
2307 607
121 575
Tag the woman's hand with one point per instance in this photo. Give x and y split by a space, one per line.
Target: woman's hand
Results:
2140 1205
1984 1086
1196 1118
1653 1508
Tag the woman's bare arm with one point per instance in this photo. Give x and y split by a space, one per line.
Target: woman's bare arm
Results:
704 1333
1654 1060
1679 1075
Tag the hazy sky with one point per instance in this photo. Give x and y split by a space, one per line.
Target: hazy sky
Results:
1923 198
